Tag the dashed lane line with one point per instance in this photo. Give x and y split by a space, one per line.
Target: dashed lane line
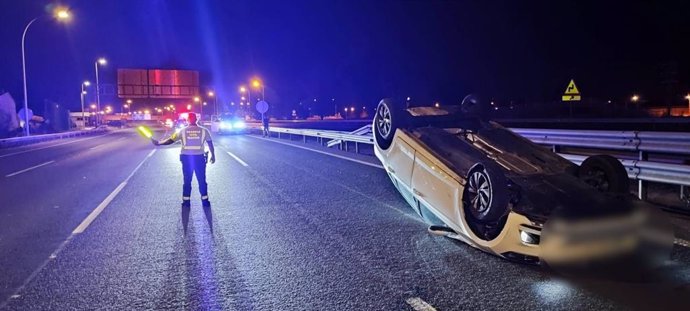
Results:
419 305
237 159
28 169
80 229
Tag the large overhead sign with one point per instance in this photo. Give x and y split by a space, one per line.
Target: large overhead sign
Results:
157 83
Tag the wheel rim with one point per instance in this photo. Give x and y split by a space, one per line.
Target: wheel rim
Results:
479 192
597 179
383 120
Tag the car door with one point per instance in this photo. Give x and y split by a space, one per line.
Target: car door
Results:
435 188
399 165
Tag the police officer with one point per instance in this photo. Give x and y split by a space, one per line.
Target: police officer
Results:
193 157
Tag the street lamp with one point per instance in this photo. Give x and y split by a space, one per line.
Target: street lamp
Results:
215 102
101 61
61 14
257 84
249 93
83 92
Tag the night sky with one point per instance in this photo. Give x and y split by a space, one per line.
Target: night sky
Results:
358 51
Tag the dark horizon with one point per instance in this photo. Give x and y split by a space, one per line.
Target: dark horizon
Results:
360 51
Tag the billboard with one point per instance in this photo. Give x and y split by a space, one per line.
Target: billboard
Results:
157 83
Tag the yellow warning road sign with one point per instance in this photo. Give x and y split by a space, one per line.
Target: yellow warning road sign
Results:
571 92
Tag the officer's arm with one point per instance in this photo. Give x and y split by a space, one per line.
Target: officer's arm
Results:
167 141
213 152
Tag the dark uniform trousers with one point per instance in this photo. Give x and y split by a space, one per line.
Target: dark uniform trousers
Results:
194 164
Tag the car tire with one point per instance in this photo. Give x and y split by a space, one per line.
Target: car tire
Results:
388 117
485 197
472 106
605 173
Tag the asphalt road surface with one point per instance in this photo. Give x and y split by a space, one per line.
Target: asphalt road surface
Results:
95 223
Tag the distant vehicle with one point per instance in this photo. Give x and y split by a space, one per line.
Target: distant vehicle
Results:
229 125
476 181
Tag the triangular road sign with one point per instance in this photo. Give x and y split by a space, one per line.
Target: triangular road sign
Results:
571 92
572 88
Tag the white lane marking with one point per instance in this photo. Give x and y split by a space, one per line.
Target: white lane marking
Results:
323 152
76 231
93 148
51 146
92 216
419 305
237 158
681 242
97 211
28 169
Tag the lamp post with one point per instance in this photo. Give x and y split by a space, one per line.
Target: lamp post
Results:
100 61
62 15
257 84
215 102
83 92
246 90
634 99
687 97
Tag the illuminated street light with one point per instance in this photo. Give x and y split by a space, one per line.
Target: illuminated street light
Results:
83 92
437 105
61 14
204 103
129 101
242 98
257 84
93 106
197 99
101 61
125 106
408 98
189 107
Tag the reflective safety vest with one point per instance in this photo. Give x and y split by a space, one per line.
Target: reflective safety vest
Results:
193 139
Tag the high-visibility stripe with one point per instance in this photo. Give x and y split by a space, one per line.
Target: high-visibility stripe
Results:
203 136
184 136
186 198
191 147
204 197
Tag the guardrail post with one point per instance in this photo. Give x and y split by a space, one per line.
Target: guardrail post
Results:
304 138
356 147
641 184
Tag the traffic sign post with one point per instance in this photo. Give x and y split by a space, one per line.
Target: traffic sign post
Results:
571 94
262 107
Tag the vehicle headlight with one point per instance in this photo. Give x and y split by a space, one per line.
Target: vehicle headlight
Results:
225 125
239 125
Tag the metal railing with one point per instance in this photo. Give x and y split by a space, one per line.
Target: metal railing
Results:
342 137
26 140
639 143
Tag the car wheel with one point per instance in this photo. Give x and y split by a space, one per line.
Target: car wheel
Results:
387 119
472 106
485 197
605 173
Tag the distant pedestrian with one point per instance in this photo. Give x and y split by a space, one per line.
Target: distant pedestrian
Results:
264 121
193 158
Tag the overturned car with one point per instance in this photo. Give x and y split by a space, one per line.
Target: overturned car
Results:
473 180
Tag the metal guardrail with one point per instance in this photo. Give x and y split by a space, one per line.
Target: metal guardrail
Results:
642 143
26 140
